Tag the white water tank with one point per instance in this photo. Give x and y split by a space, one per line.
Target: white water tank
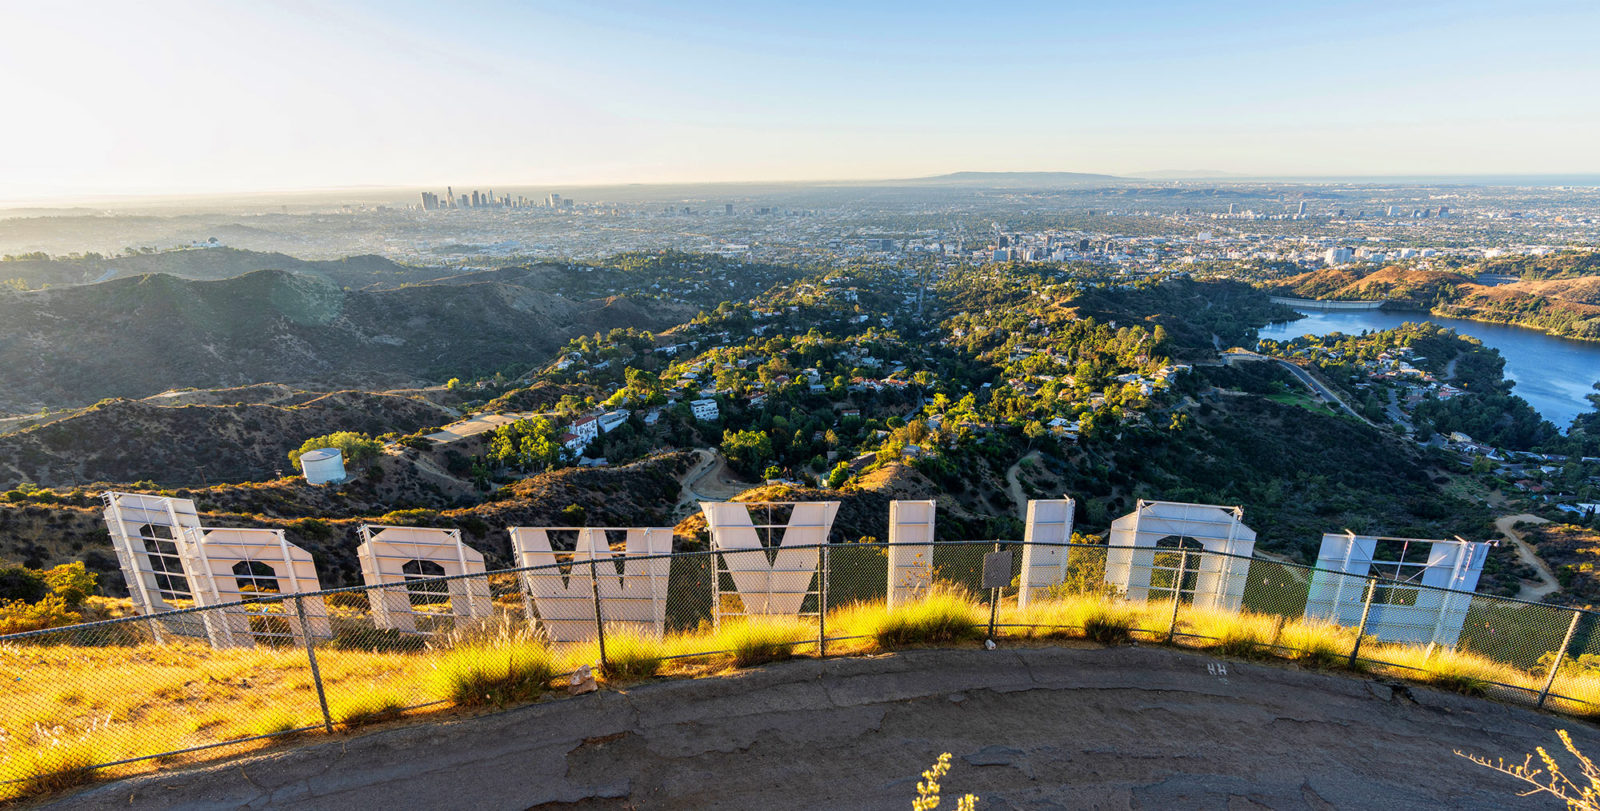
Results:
323 465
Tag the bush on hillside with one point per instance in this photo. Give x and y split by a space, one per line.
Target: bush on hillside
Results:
358 449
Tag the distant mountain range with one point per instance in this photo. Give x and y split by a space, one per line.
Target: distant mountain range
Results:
1003 180
209 263
139 336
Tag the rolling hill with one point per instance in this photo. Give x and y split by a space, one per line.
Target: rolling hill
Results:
129 440
140 336
208 264
1567 306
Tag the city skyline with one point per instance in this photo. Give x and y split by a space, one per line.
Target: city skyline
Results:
183 98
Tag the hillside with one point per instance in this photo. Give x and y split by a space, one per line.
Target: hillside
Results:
47 528
1405 285
1568 306
203 264
137 337
133 440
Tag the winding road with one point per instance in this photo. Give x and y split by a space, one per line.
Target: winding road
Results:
1320 390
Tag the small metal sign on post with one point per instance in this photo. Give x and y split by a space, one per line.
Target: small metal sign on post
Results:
996 576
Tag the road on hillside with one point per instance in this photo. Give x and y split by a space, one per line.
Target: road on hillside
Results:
1084 727
1320 390
1547 579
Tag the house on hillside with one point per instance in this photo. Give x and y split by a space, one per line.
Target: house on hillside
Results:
705 410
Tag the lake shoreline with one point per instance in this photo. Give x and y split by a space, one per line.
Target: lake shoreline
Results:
1554 373
1399 307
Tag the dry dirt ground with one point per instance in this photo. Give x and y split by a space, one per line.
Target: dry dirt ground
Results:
1030 728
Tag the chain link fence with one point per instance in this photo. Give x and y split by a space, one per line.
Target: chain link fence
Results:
129 694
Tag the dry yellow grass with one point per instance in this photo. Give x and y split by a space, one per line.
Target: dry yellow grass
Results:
1445 668
89 705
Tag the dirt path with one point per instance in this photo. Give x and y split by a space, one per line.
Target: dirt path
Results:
709 480
1547 579
1055 727
1014 485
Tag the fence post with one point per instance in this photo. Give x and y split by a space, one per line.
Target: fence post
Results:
1177 593
599 621
994 600
1361 630
311 654
1561 653
822 602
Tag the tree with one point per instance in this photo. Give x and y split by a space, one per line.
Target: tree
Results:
527 444
357 449
839 475
453 383
747 451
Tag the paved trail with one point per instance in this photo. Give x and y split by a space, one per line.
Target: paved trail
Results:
1029 728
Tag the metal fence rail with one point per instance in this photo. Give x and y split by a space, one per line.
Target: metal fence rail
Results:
127 693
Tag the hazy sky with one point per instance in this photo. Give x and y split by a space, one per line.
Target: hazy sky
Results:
161 96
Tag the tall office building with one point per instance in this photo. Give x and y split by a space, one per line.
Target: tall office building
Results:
554 200
727 208
1302 211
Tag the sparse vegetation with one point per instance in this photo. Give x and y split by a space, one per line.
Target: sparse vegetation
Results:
507 670
942 617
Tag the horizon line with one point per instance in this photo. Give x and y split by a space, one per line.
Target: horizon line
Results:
1154 176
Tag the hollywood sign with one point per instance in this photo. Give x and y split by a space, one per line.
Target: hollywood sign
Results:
423 580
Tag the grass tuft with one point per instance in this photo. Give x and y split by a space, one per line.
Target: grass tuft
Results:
1232 634
372 707
1317 644
276 722
1108 624
494 673
758 640
943 616
630 654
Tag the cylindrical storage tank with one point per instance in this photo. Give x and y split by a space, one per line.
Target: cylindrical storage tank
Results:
323 465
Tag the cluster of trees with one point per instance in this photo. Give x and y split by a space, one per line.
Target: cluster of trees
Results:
529 445
33 599
356 448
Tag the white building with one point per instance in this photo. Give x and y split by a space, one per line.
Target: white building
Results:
612 420
1338 256
705 410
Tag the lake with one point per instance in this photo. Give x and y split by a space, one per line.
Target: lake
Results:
1552 374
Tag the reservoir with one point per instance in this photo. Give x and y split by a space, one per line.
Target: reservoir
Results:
1552 374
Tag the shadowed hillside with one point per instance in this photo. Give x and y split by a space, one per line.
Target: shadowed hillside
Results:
207 264
137 337
132 440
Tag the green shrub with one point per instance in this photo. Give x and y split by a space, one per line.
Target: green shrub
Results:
357 449
1108 625
419 517
18 617
72 582
631 654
